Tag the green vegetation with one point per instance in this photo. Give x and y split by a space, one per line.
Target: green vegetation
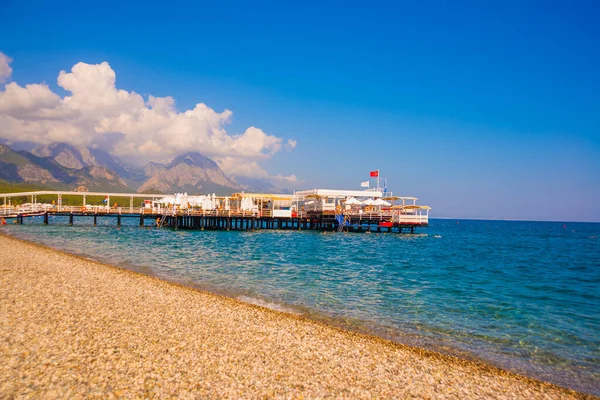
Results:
12 157
11 187
67 200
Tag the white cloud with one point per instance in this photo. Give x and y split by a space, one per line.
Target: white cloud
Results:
5 69
96 111
234 166
291 144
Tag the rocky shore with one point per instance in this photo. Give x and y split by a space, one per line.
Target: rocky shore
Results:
71 327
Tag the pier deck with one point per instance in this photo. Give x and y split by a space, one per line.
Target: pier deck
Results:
350 220
238 221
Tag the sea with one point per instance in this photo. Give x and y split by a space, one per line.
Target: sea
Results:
522 296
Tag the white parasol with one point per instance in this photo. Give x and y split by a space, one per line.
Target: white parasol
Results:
353 202
380 202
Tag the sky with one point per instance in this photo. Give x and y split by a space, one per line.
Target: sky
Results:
480 109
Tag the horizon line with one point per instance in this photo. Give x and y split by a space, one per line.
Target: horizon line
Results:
514 220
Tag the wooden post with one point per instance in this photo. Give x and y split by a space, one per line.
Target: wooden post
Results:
119 220
70 219
95 219
46 218
141 219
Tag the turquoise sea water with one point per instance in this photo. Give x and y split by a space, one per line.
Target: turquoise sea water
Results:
524 296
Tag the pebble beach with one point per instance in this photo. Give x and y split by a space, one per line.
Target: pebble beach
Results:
71 327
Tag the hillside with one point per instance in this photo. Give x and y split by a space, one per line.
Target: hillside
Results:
24 167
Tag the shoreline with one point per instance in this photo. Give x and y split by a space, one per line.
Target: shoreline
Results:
266 352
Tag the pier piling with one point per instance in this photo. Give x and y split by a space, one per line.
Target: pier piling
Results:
323 222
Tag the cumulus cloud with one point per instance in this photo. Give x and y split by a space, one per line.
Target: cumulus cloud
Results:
237 167
96 112
5 69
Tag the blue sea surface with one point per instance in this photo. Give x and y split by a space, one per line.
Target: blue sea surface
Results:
523 296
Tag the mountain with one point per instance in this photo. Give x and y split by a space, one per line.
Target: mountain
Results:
66 155
23 166
62 166
98 178
152 168
78 157
189 172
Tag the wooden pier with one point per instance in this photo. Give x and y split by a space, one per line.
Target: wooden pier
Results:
315 222
319 210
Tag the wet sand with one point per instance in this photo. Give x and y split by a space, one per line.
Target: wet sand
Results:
71 327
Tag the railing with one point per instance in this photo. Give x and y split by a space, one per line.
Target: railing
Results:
27 209
385 215
388 215
40 208
411 219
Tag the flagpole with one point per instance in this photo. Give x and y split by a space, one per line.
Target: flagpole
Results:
378 187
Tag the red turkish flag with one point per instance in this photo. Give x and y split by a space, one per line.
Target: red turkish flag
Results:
374 174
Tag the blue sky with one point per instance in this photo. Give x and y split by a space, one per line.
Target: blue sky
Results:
480 109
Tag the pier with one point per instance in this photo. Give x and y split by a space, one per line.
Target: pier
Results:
318 209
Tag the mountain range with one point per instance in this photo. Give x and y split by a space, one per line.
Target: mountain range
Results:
62 166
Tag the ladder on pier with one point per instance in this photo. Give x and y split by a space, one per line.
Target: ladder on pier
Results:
162 221
341 220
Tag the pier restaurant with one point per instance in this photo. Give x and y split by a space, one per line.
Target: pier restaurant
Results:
326 209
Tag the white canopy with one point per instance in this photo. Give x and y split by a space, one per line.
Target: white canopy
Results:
368 202
380 202
353 201
247 203
166 200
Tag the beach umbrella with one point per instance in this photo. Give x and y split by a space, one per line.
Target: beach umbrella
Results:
380 202
368 202
166 200
206 203
415 207
247 203
353 202
177 200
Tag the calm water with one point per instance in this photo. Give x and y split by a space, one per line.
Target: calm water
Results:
524 296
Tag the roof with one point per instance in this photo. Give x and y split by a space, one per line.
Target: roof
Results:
269 196
338 193
73 193
417 207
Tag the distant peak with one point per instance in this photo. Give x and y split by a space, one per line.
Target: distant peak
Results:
59 146
195 159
